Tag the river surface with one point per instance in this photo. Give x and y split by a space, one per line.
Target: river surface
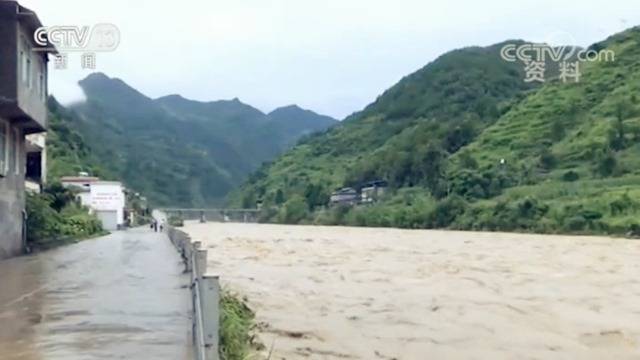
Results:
379 294
121 296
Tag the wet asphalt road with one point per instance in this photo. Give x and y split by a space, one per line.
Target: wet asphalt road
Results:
121 296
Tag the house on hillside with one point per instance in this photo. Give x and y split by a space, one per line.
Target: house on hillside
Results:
345 196
23 111
372 191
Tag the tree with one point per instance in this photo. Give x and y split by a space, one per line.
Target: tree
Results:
60 196
294 210
279 197
547 159
557 130
607 163
447 211
315 195
458 137
617 135
467 161
429 167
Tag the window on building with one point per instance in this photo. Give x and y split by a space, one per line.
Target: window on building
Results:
41 91
23 65
16 151
12 150
44 80
28 65
4 143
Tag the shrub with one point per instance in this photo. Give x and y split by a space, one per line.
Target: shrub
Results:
175 221
547 160
633 230
576 223
267 214
43 222
59 196
570 176
294 210
447 210
621 205
607 164
47 227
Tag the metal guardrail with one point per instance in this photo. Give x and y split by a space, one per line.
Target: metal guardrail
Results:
205 293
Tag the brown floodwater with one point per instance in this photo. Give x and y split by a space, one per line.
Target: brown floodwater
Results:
340 293
121 296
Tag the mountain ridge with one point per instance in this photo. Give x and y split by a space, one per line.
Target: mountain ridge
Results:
204 148
464 143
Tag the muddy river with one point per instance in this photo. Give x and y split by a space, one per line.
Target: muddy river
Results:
356 293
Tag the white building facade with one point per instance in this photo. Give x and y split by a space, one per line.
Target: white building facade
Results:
105 199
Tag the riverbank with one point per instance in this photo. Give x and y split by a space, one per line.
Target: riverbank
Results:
365 293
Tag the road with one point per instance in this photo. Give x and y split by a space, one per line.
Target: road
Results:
121 296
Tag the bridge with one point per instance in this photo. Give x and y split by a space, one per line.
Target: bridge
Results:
213 214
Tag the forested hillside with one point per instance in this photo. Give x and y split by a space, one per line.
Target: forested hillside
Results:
430 113
465 143
67 150
177 152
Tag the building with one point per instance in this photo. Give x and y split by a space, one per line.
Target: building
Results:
23 111
345 196
108 203
106 199
372 191
81 185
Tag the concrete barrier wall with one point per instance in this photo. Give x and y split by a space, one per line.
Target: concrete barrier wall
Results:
205 293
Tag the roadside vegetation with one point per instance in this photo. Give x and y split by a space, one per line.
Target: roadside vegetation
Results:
54 219
53 216
237 324
464 144
175 221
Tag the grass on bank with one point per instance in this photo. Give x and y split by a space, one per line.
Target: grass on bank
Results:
236 326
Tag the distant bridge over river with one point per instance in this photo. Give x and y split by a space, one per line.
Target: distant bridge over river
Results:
216 215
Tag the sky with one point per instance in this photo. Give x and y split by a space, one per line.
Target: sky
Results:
330 56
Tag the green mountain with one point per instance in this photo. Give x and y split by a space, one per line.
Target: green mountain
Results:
178 152
259 136
465 143
566 157
296 123
67 151
455 97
